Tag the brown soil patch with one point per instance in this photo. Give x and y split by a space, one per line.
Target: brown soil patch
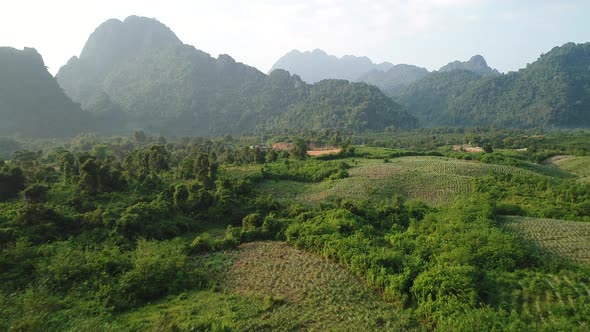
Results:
467 148
323 152
282 146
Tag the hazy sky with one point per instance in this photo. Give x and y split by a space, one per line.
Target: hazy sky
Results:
428 33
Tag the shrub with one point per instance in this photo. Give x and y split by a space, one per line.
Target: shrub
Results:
202 243
252 221
159 268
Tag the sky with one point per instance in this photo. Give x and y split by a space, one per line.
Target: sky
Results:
427 33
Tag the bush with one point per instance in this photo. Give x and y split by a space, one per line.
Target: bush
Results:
443 283
252 221
159 268
202 243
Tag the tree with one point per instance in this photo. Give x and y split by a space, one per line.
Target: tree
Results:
159 158
299 150
181 195
271 156
12 181
89 177
36 193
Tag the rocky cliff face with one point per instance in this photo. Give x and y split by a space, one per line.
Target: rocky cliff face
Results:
476 64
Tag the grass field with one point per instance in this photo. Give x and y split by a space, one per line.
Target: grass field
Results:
270 286
434 180
579 166
565 238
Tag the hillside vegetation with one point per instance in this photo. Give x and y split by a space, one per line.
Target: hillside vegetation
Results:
140 233
577 165
31 103
551 92
300 291
142 69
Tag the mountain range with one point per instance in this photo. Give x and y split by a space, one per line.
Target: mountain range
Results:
552 92
392 79
317 65
162 85
137 74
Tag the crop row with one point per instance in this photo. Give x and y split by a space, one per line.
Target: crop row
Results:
565 238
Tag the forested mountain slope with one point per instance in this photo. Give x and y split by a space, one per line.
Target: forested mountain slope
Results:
428 99
552 92
164 86
31 102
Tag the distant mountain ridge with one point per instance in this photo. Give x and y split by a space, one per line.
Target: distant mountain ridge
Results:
317 65
394 80
136 74
140 67
391 79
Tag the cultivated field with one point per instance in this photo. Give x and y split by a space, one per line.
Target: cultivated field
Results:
271 286
579 166
541 296
565 238
434 180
